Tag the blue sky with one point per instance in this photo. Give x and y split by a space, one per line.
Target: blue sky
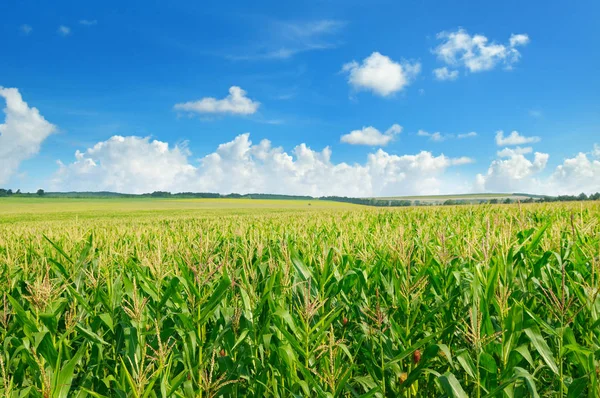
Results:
95 70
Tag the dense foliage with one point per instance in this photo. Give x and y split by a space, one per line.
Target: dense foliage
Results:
469 301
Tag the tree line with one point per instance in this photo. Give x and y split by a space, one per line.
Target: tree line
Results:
378 202
9 192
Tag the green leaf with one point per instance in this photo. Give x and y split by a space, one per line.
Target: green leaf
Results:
537 237
90 335
58 249
578 387
535 336
169 292
451 386
529 381
467 364
215 299
65 376
301 268
23 316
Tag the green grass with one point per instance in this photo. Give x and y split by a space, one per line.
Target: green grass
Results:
195 299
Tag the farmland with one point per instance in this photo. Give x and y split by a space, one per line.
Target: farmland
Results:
208 298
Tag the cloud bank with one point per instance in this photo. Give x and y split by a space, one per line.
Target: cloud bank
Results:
137 164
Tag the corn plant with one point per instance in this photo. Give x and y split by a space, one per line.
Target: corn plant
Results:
469 301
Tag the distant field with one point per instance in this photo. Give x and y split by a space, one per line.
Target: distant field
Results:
22 209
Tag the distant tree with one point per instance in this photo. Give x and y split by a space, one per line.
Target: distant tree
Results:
595 196
582 196
3 192
507 201
40 192
160 194
9 192
494 201
18 192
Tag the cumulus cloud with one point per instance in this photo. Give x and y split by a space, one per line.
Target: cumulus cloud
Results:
371 136
22 133
236 103
135 164
514 138
445 74
516 172
513 174
127 164
577 174
380 74
64 30
476 53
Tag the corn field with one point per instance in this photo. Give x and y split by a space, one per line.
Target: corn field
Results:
469 301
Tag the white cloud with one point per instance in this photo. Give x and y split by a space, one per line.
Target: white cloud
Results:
26 29
475 53
518 40
371 136
381 74
510 152
514 174
535 113
514 138
576 175
88 22
64 30
134 164
235 103
127 164
462 160
22 133
436 137
467 135
445 74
